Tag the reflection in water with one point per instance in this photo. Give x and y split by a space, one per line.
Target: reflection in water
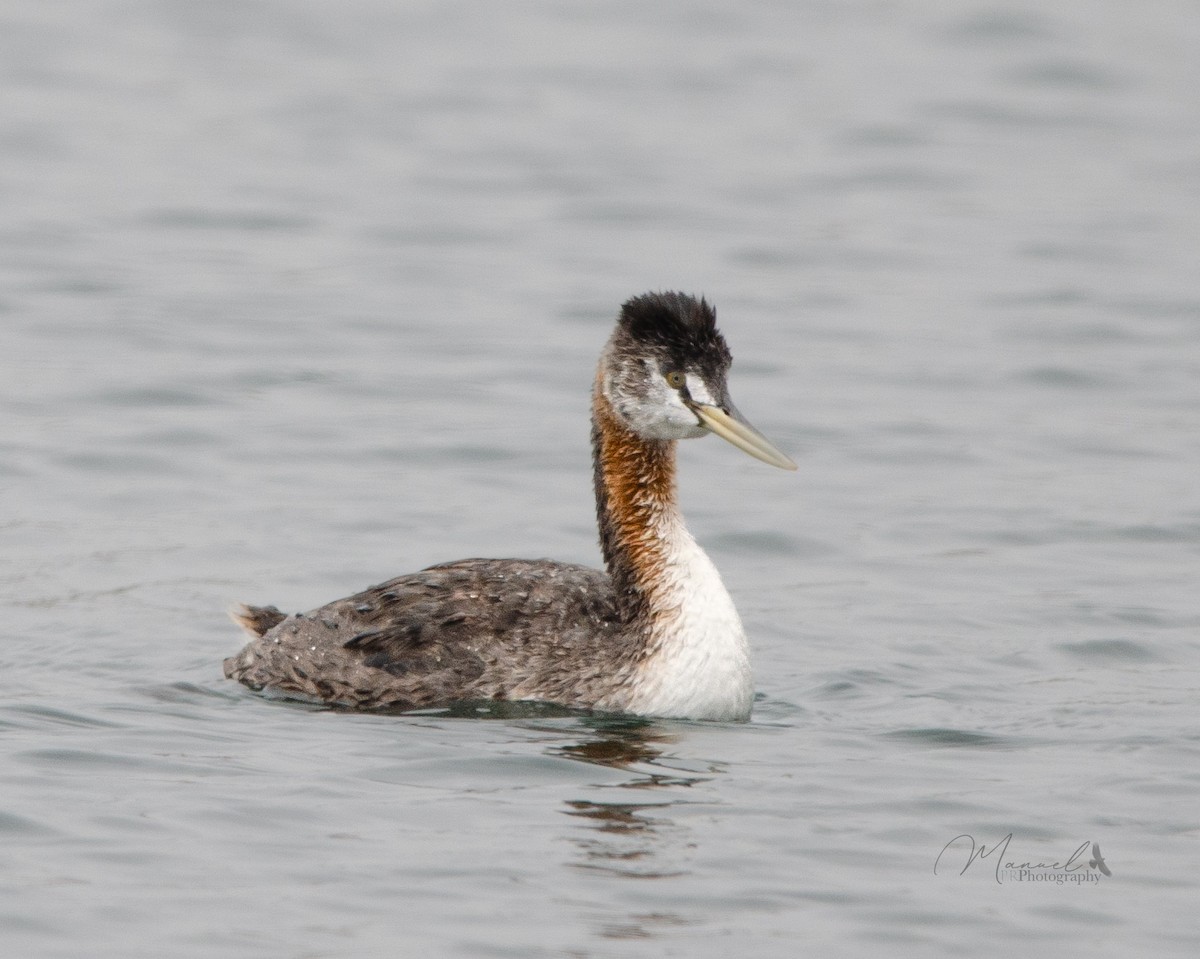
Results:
632 840
625 744
636 745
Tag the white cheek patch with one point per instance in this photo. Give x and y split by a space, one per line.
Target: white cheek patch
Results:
676 410
650 406
699 391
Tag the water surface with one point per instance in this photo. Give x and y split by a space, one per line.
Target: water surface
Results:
295 298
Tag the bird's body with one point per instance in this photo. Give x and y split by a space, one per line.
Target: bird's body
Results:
654 634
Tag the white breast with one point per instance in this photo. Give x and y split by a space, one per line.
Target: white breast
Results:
700 665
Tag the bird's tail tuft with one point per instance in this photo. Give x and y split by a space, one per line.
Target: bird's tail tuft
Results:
255 620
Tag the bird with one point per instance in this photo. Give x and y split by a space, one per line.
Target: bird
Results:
653 634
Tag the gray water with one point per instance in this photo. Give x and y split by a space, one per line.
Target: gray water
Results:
296 296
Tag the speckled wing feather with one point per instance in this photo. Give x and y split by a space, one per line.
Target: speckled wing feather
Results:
473 629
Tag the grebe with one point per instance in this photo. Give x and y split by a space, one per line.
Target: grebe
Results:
654 635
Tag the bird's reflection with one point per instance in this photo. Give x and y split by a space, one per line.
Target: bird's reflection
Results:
633 839
621 744
638 746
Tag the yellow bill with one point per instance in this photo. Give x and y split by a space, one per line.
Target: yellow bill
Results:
741 434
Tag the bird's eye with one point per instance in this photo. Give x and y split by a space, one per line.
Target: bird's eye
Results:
676 379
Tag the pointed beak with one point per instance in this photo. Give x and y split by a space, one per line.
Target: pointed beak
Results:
730 425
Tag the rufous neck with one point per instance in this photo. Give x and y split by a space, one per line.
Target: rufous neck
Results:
635 506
